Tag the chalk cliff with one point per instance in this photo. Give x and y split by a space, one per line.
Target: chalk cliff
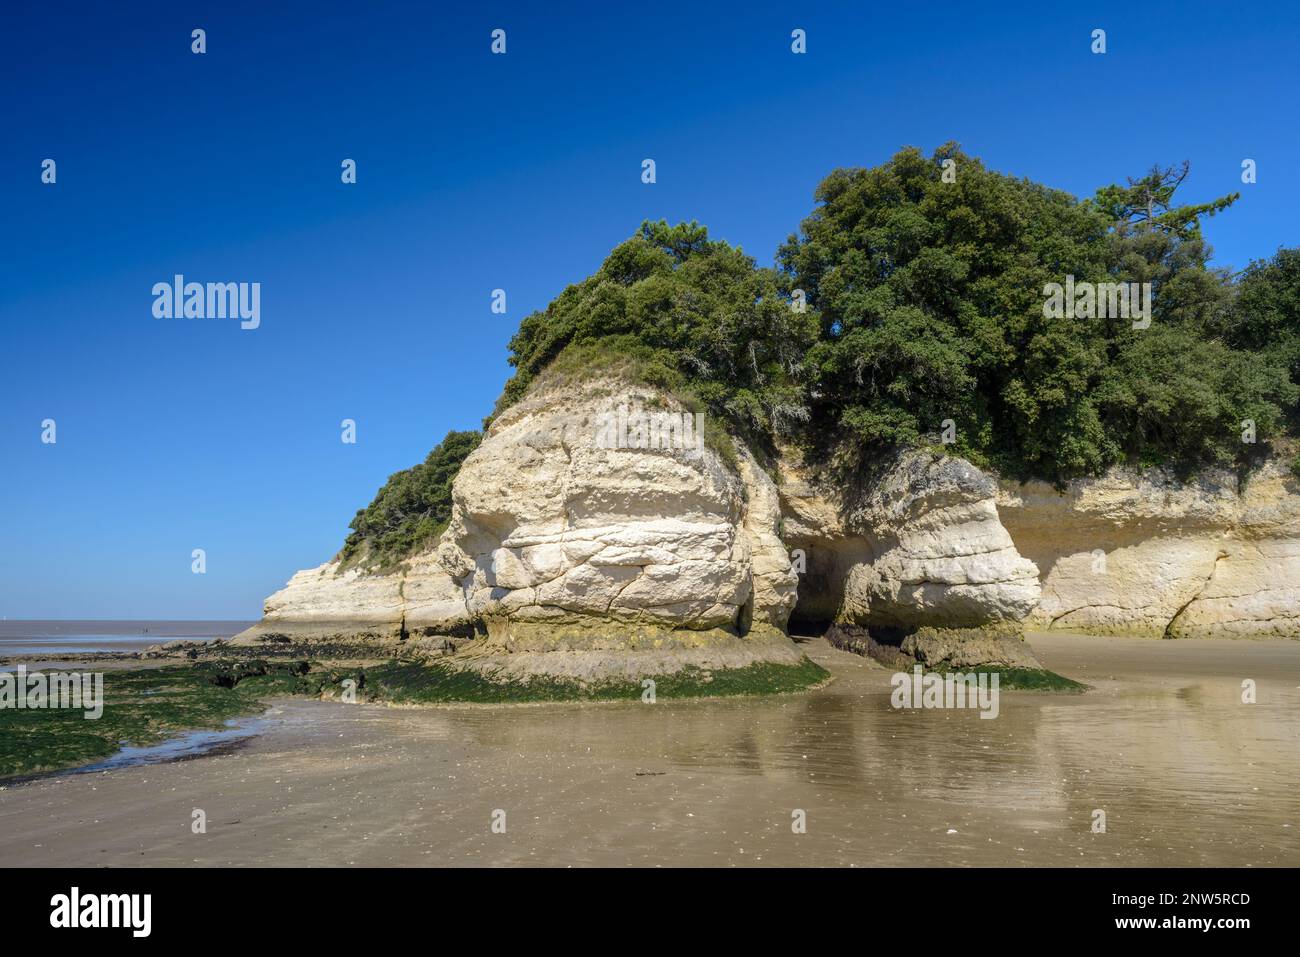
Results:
640 550
645 558
938 543
1146 554
923 546
918 559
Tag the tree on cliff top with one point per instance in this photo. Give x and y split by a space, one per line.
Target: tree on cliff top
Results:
931 301
690 314
926 304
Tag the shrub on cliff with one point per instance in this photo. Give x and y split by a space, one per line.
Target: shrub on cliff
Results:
691 314
412 508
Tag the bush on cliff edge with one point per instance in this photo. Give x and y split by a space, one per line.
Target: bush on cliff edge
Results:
412 508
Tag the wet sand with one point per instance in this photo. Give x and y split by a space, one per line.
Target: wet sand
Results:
1186 774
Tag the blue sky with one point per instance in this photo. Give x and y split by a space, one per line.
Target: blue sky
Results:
474 172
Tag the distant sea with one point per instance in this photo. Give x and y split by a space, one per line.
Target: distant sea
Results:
80 637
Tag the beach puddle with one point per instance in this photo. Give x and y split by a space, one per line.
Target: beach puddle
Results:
190 744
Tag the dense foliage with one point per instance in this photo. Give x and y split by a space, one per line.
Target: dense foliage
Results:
924 280
931 299
1265 317
694 315
412 508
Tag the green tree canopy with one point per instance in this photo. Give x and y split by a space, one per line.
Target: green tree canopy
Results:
1265 317
930 295
694 315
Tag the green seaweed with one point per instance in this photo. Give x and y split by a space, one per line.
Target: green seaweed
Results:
1020 679
141 707
431 683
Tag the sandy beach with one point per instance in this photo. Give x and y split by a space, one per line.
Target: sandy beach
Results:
1186 773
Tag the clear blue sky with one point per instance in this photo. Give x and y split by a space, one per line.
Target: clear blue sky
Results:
475 172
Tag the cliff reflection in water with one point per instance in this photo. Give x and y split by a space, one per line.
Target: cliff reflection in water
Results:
1185 773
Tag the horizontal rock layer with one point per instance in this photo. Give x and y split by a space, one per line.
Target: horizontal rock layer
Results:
1146 554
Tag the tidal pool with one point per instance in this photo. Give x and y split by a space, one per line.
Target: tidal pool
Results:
188 744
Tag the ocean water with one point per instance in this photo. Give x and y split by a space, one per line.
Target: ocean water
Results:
84 637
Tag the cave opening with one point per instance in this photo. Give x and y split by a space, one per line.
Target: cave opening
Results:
826 564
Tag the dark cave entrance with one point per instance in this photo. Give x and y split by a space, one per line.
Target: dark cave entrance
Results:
827 563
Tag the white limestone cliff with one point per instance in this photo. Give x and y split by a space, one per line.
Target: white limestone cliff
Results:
1147 554
923 546
941 554
560 543
636 559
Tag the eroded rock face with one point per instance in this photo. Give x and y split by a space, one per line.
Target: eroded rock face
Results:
635 560
325 604
827 554
561 540
775 584
1146 554
924 547
942 544
942 556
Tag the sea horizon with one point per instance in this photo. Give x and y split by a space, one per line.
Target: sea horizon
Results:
37 636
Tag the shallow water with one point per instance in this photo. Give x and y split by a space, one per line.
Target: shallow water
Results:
190 744
1186 774
79 644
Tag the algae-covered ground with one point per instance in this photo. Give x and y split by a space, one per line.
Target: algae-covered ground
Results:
416 683
144 706
141 707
